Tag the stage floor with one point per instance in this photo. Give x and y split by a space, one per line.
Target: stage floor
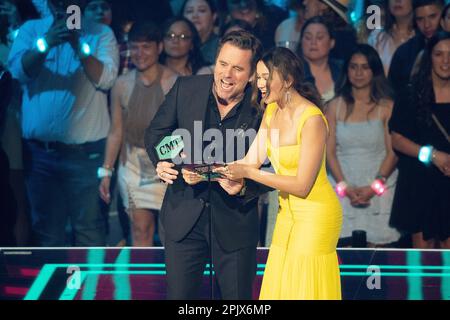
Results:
139 274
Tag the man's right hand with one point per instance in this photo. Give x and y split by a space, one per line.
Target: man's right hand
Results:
58 34
166 172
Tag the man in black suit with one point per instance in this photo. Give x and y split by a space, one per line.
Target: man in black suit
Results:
221 102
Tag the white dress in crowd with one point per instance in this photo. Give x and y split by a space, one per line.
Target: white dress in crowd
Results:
360 149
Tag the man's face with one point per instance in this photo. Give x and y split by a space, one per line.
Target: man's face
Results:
59 7
427 19
99 11
314 8
145 54
243 10
232 72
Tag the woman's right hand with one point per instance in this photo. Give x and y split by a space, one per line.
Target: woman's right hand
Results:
104 189
353 195
442 161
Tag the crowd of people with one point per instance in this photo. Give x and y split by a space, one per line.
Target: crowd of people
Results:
81 101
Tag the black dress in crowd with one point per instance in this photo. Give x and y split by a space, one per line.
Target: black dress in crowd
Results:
422 199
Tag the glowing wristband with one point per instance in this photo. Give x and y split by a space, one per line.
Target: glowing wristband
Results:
341 189
42 45
378 187
85 50
104 172
426 154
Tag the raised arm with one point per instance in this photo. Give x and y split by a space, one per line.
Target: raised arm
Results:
102 67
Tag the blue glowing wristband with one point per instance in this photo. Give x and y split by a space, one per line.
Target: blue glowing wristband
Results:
426 154
85 50
42 45
104 172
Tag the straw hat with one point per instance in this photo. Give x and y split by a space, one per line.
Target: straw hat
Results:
338 6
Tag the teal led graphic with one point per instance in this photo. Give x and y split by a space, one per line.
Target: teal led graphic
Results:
414 283
122 270
122 280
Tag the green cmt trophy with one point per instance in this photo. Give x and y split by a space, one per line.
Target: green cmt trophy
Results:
169 147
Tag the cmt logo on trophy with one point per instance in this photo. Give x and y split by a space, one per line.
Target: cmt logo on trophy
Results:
170 147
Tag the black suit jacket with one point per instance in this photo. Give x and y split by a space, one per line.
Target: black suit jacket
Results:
236 224
403 62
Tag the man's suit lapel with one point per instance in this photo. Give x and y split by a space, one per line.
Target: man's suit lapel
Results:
199 102
195 94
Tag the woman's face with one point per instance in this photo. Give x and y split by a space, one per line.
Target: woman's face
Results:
99 11
359 73
400 8
276 83
445 22
200 14
316 42
440 58
178 40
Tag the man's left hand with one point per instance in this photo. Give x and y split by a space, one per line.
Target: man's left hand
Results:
231 187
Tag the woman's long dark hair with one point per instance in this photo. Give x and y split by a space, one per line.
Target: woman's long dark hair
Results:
195 60
380 88
422 82
390 20
289 67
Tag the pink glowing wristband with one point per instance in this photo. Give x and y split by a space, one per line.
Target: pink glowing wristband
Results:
341 189
378 186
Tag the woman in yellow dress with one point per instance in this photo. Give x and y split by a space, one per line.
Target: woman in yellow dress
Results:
302 263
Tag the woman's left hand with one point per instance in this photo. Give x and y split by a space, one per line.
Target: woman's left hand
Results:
233 171
365 195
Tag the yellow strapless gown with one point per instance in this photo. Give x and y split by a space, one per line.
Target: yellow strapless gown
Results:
303 263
